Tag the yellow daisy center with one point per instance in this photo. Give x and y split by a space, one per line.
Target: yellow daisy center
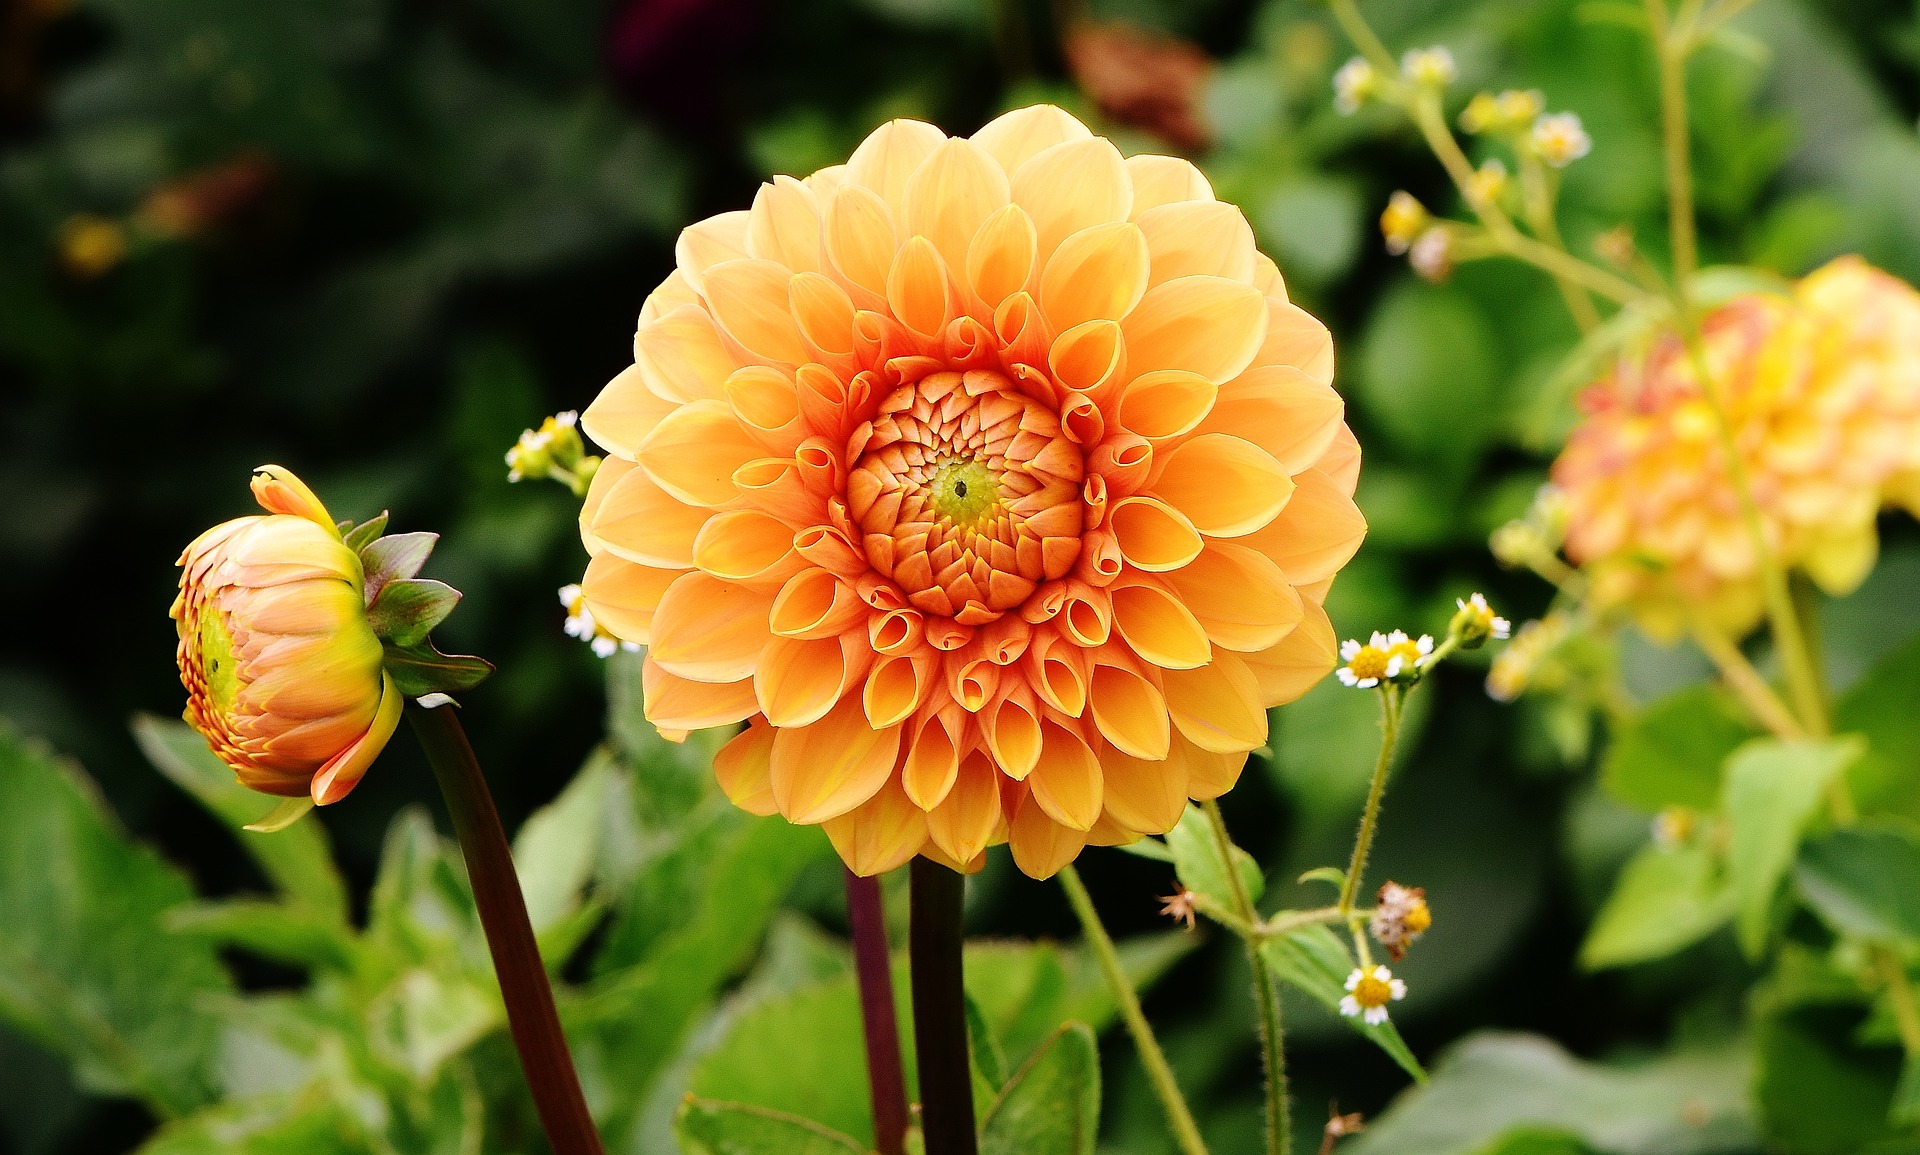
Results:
1372 991
1369 663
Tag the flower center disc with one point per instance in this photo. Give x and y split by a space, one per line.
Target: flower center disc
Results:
967 494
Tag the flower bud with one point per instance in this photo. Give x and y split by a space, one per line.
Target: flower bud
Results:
553 452
283 671
1429 67
1476 622
1402 221
1353 85
1561 139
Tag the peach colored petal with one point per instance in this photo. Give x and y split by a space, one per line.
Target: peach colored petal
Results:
1205 325
880 834
815 603
1227 486
950 195
745 770
1292 667
1153 535
675 703
709 630
860 240
624 413
1282 410
695 450
1295 337
1158 627
886 160
784 225
1066 778
1241 597
1012 730
918 290
1012 138
644 523
964 821
623 596
932 763
1072 186
798 680
1040 845
1341 461
767 404
1318 532
749 298
1166 403
895 688
1129 711
1098 273
823 312
826 769
1210 773
344 770
611 472
707 243
1144 795
1198 238
1089 357
745 545
1000 257
670 295
1217 706
1165 180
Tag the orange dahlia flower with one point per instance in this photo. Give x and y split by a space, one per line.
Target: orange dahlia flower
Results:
1821 395
283 672
994 480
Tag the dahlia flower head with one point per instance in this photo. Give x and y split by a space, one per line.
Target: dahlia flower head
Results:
993 480
1821 391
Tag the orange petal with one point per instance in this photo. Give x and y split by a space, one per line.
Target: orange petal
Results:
278 491
1072 186
694 452
1012 730
1147 796
1227 486
918 291
709 630
950 195
1291 668
704 244
964 822
749 298
1165 180
1205 325
675 703
815 604
1209 773
1012 138
895 687
1088 357
1242 599
932 762
1295 337
1130 712
824 313
745 545
1042 846
1318 532
1001 255
623 596
612 470
1198 238
886 160
344 770
745 770
799 679
1158 627
624 413
1283 411
1099 273
644 523
1217 706
1066 779
860 239
826 769
1166 403
1153 535
880 834
784 225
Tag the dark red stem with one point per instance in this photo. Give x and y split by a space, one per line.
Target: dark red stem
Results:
886 1078
934 941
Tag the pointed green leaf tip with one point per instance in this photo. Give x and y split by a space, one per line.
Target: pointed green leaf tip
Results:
393 557
407 609
421 669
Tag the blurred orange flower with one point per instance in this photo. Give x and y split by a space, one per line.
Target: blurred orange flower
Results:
1145 79
994 479
282 670
1821 394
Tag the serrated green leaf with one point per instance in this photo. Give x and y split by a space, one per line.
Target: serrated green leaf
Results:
1864 881
87 966
298 860
407 609
1052 1104
1665 899
395 556
421 669
1772 790
1671 753
1313 960
705 1127
1196 859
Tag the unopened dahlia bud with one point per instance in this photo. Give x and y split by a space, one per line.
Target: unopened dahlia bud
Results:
1400 918
283 670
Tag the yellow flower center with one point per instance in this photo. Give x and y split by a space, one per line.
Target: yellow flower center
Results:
1418 918
1369 663
218 663
1372 991
1408 653
963 491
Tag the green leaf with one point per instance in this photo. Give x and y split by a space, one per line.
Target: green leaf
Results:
1817 1090
1313 960
821 1071
1535 1141
1773 789
1864 881
421 669
1881 707
297 860
1671 753
266 1125
283 932
407 609
1196 859
989 1063
555 849
361 536
1052 1105
1664 899
87 966
1025 990
395 556
1428 371
1493 1084
705 1127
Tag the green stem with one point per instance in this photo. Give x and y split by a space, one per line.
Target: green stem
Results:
531 1017
934 945
1906 1016
1672 51
1266 996
1370 817
1186 1134
1761 701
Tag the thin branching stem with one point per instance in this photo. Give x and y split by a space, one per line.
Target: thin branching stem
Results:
1266 995
1370 817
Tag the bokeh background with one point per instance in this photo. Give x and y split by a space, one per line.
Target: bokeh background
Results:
372 240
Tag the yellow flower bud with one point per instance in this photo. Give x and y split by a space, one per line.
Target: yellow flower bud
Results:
283 672
1402 221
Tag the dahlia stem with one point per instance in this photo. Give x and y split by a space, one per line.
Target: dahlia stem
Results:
1186 1134
531 1016
934 942
886 1079
1266 996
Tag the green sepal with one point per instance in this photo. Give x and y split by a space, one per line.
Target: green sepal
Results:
420 669
359 537
394 557
282 816
406 609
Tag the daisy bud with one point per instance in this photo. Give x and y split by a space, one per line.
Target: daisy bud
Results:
553 452
1429 67
1476 622
1353 85
1489 182
1432 255
1560 139
1402 221
283 670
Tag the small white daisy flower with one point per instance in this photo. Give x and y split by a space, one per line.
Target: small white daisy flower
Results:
1561 139
1353 84
1429 66
1476 621
1369 990
1406 655
1365 667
